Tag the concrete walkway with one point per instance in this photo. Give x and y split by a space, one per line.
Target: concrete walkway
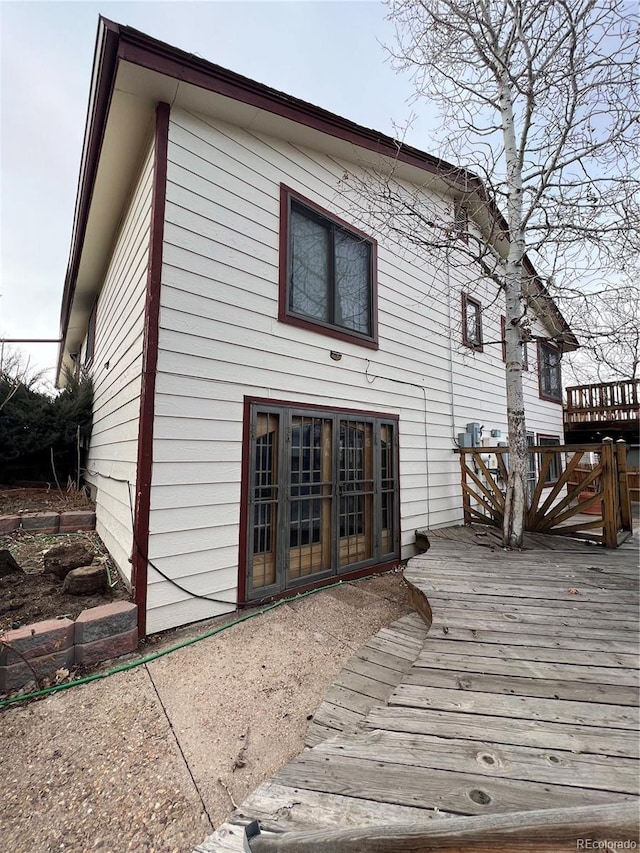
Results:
154 758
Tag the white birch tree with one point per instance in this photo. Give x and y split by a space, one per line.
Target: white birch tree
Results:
538 98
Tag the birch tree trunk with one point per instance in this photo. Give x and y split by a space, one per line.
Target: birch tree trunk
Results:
515 498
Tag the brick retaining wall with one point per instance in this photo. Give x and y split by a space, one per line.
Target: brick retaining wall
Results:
98 634
71 521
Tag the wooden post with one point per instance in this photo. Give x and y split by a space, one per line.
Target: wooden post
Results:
466 498
609 495
626 522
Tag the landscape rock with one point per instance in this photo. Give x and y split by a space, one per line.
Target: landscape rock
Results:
61 559
85 580
7 564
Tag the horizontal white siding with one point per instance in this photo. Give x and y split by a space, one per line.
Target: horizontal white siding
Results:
116 372
220 340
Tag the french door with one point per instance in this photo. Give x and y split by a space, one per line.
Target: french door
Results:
323 496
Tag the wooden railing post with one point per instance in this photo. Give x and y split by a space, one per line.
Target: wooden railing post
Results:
626 522
466 498
609 495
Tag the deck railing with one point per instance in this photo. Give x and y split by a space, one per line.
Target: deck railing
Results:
607 401
565 496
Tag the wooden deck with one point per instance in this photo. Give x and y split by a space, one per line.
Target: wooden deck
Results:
522 696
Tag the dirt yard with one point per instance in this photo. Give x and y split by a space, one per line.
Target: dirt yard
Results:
32 595
16 500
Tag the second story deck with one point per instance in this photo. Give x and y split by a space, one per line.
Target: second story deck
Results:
607 408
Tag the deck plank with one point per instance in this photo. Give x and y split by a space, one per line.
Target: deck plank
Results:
540 734
512 653
517 707
557 767
525 667
460 793
514 685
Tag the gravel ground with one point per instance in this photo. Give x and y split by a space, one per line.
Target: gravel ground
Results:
151 759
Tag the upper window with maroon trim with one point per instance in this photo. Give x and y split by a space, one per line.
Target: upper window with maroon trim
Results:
471 323
327 272
461 221
549 373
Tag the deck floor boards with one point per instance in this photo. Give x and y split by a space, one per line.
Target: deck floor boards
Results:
521 695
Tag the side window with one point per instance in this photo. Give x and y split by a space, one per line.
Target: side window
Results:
549 375
555 469
461 221
471 323
327 273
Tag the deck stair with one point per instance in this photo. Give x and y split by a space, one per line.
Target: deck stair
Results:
521 699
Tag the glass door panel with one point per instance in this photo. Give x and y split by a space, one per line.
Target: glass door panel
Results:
323 496
310 496
265 500
387 488
355 490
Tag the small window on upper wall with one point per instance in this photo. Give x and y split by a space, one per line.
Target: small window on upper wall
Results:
327 273
549 374
471 323
461 221
91 336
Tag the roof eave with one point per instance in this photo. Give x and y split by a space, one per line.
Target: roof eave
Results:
115 42
105 60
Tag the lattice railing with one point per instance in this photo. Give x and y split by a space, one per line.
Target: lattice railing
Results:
569 495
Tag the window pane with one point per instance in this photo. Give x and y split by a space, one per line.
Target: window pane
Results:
555 469
265 500
352 283
473 323
551 376
309 267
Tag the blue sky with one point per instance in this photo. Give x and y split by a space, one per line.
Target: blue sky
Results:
327 53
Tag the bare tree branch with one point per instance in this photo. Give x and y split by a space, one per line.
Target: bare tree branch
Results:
540 99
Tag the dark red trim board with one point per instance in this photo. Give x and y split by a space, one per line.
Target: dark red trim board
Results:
149 365
244 498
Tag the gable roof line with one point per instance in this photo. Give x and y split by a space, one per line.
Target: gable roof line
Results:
115 42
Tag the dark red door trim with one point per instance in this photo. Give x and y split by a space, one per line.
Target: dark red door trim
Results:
149 365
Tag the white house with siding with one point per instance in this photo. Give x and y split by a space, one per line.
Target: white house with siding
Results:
279 388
